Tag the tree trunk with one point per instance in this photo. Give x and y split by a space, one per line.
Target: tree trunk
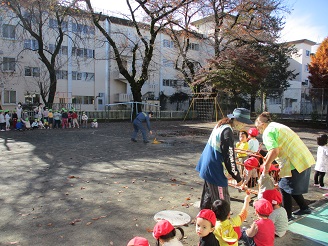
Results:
253 103
52 88
137 97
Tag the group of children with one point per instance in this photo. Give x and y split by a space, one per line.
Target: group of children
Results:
217 226
49 119
271 221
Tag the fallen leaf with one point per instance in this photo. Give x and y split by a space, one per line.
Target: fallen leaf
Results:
185 205
89 223
74 221
188 198
82 188
49 224
149 230
71 177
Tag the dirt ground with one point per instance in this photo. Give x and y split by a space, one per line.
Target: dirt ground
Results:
96 187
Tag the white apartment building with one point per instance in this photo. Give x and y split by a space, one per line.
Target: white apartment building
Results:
291 100
87 74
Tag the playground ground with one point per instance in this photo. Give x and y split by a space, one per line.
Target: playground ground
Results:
96 187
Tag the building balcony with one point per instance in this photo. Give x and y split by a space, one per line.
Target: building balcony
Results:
119 76
121 97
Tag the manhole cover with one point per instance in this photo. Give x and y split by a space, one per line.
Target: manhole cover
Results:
176 218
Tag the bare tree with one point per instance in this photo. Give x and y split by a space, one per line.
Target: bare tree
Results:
182 33
242 22
142 49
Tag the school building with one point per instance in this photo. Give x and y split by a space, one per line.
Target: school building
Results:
87 74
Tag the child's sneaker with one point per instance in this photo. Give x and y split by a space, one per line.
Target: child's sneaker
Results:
323 187
317 185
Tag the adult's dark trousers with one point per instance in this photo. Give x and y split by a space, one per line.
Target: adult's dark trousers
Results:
211 193
137 125
287 202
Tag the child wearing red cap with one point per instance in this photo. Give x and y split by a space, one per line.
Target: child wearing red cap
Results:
279 214
138 241
227 229
261 232
205 224
165 234
250 171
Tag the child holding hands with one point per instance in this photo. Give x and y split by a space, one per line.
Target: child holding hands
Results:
227 229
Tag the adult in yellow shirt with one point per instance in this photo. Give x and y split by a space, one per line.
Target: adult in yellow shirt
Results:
294 159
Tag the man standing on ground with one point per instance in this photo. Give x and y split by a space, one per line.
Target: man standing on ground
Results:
137 125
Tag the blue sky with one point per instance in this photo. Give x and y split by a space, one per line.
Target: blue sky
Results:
308 18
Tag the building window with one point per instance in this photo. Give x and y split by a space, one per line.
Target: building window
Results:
168 63
193 46
306 67
61 74
8 31
275 100
54 24
64 50
79 28
168 43
307 52
80 52
32 71
9 96
306 82
51 48
8 64
83 76
171 82
89 76
83 99
31 44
